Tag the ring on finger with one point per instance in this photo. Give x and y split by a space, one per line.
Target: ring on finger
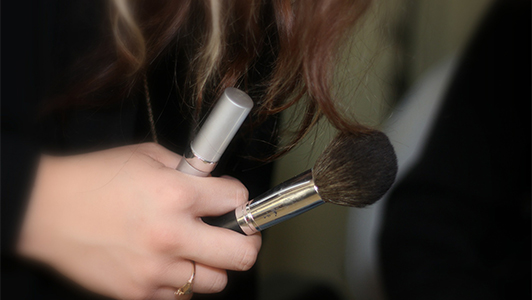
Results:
187 288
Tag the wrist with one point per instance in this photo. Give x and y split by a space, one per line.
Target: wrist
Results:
35 240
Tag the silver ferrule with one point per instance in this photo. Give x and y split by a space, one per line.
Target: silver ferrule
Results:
193 164
286 200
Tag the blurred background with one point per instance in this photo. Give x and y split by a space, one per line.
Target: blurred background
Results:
391 76
401 50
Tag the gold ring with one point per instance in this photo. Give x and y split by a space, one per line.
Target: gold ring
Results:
187 288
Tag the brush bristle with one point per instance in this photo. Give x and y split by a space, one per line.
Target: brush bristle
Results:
356 169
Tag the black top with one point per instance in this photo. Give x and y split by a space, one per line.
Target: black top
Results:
39 40
458 225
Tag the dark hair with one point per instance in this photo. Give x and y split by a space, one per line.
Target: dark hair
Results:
229 43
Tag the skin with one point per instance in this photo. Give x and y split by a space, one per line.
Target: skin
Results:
124 223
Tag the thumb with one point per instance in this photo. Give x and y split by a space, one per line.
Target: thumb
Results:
159 153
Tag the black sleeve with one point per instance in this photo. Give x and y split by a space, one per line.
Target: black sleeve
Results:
35 49
39 40
458 225
20 89
19 160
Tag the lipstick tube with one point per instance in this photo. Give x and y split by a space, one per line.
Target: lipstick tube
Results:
216 133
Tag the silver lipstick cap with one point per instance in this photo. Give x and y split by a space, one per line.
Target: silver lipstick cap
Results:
216 133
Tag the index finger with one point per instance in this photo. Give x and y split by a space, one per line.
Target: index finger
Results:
217 195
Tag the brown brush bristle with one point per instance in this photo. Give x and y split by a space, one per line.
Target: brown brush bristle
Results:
356 169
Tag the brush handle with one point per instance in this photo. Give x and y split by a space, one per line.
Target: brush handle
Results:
284 201
225 221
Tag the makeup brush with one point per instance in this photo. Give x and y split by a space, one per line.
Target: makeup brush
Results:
355 170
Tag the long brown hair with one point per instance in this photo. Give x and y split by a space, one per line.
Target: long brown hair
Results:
282 52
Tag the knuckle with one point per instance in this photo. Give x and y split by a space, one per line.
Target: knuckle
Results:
162 239
241 194
176 196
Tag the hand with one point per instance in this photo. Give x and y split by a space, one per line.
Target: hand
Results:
124 223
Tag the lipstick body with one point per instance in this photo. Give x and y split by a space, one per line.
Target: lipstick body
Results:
216 133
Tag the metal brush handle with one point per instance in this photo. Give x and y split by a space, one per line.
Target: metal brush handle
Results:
285 201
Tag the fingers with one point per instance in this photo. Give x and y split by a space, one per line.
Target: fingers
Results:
216 247
167 293
180 275
212 196
207 279
221 248
213 249
216 196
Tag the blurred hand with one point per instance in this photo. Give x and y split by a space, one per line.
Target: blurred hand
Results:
124 223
